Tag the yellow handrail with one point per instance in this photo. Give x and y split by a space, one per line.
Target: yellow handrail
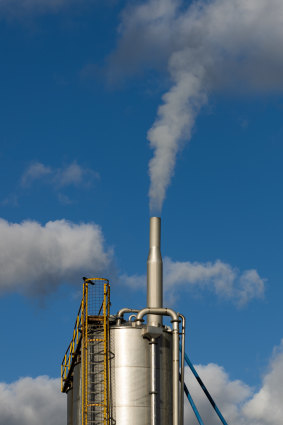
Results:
93 313
71 350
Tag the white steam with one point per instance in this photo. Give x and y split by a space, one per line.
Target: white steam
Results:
206 46
35 258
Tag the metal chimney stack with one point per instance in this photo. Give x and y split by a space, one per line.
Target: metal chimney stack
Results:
154 272
119 370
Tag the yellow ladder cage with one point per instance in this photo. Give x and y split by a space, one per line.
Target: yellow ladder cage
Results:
91 342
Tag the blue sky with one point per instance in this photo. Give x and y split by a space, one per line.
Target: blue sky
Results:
81 84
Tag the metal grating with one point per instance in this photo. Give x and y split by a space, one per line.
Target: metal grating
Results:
96 296
95 352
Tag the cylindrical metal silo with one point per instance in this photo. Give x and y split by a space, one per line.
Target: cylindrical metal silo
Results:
77 395
119 372
130 366
70 407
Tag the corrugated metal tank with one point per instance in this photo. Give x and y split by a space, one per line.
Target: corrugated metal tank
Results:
77 391
130 368
70 407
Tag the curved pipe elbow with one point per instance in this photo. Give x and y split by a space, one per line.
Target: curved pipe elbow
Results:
157 311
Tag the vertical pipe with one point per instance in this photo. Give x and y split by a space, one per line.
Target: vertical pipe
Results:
175 352
154 272
182 369
105 343
175 387
153 383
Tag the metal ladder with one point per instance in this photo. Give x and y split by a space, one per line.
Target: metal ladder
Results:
95 353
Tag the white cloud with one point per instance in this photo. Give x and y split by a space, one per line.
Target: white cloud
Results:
31 401
35 171
134 281
73 174
64 199
239 403
35 258
221 278
69 175
228 395
225 280
266 405
204 46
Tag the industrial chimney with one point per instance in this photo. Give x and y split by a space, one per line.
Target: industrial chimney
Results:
122 370
154 272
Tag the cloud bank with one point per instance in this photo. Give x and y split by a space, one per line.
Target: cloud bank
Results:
31 401
35 258
239 403
204 47
38 401
222 279
69 175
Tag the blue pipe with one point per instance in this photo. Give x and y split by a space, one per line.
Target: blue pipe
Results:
212 402
189 397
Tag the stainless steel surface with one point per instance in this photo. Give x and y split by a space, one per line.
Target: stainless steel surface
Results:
156 311
120 314
130 371
175 352
175 380
153 386
144 359
154 271
70 407
77 391
181 410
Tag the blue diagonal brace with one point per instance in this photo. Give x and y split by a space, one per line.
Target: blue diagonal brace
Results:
196 412
203 387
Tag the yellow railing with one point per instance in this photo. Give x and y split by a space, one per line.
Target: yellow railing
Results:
95 304
91 331
71 351
84 369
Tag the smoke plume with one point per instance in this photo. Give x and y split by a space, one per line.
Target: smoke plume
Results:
205 47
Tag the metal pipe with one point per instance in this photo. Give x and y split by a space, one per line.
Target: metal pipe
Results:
195 410
205 390
157 311
153 384
175 351
182 368
154 272
121 312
